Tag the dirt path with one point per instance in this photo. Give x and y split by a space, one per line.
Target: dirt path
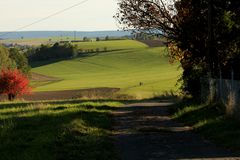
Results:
146 132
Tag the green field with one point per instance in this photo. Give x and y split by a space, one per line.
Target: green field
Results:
56 130
111 45
126 66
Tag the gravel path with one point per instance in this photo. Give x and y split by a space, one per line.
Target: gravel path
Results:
146 132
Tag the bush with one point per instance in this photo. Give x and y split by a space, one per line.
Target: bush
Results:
13 83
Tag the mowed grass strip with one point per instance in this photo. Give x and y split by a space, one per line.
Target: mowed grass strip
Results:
125 69
56 130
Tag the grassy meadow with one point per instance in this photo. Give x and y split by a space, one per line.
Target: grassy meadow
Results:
56 130
74 129
124 65
111 45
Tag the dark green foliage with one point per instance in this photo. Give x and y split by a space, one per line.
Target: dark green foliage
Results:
106 38
55 52
86 39
191 81
20 59
98 39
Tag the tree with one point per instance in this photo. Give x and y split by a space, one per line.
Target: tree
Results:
53 52
5 60
20 60
106 38
13 83
86 39
185 25
98 39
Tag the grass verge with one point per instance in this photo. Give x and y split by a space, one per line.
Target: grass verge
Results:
56 130
211 121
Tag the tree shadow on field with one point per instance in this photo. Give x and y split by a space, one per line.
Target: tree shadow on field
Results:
35 64
57 134
80 131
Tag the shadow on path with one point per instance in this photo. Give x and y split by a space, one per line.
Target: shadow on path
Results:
144 131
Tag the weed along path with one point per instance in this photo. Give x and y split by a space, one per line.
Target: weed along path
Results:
145 131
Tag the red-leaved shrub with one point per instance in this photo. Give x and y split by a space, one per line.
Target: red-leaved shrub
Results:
13 83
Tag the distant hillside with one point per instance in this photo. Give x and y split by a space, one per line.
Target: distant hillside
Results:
132 66
46 34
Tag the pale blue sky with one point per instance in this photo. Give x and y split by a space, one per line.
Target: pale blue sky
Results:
90 16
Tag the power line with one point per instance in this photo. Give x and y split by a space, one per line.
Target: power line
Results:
45 18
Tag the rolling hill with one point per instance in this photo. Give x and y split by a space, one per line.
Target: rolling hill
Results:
130 65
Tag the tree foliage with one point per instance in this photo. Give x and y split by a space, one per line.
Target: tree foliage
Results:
13 58
5 60
13 83
54 52
185 24
20 60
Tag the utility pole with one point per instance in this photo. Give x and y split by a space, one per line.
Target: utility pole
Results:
210 38
210 53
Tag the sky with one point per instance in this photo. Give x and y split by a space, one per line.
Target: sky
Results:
93 15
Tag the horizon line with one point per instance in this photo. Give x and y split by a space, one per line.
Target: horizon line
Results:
65 31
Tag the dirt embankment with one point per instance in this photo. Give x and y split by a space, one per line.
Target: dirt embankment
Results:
41 77
93 93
